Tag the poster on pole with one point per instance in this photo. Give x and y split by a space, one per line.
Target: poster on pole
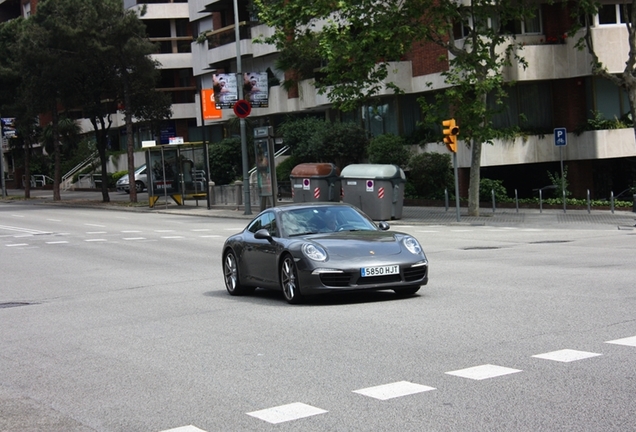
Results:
225 90
210 111
255 89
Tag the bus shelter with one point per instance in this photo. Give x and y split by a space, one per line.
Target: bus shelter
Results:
179 172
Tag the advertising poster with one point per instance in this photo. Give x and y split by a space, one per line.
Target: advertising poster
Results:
210 111
8 127
225 90
255 89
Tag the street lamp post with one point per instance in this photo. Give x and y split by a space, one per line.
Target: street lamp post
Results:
239 81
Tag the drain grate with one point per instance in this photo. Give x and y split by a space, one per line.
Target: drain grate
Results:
13 304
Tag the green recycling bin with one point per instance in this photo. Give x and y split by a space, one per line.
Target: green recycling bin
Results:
315 182
376 189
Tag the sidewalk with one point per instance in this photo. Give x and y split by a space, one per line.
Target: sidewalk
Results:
551 218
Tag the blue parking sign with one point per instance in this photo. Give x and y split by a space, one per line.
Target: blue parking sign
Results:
560 137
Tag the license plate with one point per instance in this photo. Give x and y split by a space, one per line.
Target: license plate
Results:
379 270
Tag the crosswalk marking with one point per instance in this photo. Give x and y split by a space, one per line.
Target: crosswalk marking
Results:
188 428
628 341
285 413
393 390
483 372
566 355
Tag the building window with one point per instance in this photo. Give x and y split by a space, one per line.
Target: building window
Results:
517 27
528 106
615 13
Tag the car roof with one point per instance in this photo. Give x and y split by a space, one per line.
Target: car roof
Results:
305 205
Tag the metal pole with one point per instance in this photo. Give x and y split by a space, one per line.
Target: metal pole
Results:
540 201
239 83
562 178
517 200
612 202
456 185
2 183
446 198
492 194
588 201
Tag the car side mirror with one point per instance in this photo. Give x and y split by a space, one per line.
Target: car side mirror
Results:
383 226
262 234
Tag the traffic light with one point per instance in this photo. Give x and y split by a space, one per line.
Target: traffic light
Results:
451 130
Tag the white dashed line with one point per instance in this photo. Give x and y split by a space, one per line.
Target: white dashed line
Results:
172 237
17 244
95 225
483 372
57 242
134 238
96 232
394 390
284 413
188 428
629 341
95 240
566 355
54 220
164 231
131 232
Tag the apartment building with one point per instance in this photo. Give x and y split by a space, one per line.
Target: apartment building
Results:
557 90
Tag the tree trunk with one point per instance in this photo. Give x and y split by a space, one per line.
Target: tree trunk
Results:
56 151
130 143
473 185
100 137
27 167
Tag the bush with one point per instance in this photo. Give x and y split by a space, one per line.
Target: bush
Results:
389 149
430 174
284 169
226 161
486 186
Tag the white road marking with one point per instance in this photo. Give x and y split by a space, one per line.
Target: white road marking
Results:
566 355
390 391
23 230
95 225
18 216
210 236
95 240
54 220
131 231
96 232
134 238
164 231
628 341
201 229
284 413
188 428
17 244
57 242
172 237
483 372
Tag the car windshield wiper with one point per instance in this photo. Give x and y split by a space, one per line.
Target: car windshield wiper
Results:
303 233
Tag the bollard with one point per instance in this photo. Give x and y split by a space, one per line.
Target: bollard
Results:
588 201
446 198
564 202
540 201
612 202
239 192
517 200
493 200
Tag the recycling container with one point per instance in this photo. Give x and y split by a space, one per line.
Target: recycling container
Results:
315 182
376 189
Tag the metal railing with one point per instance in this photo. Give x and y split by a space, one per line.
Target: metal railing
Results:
67 179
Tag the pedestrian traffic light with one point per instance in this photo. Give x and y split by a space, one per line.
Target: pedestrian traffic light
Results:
451 130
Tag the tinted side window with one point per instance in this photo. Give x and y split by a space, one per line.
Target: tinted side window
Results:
265 221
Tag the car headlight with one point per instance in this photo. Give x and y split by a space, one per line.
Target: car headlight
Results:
314 252
412 245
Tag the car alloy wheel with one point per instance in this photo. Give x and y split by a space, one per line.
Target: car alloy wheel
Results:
139 186
231 276
289 280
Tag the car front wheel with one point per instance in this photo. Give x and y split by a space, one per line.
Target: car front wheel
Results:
289 281
231 276
139 186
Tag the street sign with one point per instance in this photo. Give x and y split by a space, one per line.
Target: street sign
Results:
242 108
560 137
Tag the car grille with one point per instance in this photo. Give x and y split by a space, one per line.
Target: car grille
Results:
414 273
379 279
335 279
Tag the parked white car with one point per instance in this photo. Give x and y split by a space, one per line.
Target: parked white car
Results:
141 181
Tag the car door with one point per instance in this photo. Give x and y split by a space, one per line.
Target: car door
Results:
259 255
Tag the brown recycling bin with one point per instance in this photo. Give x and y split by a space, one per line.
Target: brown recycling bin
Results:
315 182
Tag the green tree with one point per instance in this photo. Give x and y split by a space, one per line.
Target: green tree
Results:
586 9
357 41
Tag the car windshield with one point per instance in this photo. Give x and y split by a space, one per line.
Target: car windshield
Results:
314 220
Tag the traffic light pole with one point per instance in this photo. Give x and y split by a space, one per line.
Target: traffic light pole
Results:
456 185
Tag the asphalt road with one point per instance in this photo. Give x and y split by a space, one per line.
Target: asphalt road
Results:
119 321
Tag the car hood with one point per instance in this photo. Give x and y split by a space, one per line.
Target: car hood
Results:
359 243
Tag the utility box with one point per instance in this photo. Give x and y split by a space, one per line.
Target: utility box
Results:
315 182
377 190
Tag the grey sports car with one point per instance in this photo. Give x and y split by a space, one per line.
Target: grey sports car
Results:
310 248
